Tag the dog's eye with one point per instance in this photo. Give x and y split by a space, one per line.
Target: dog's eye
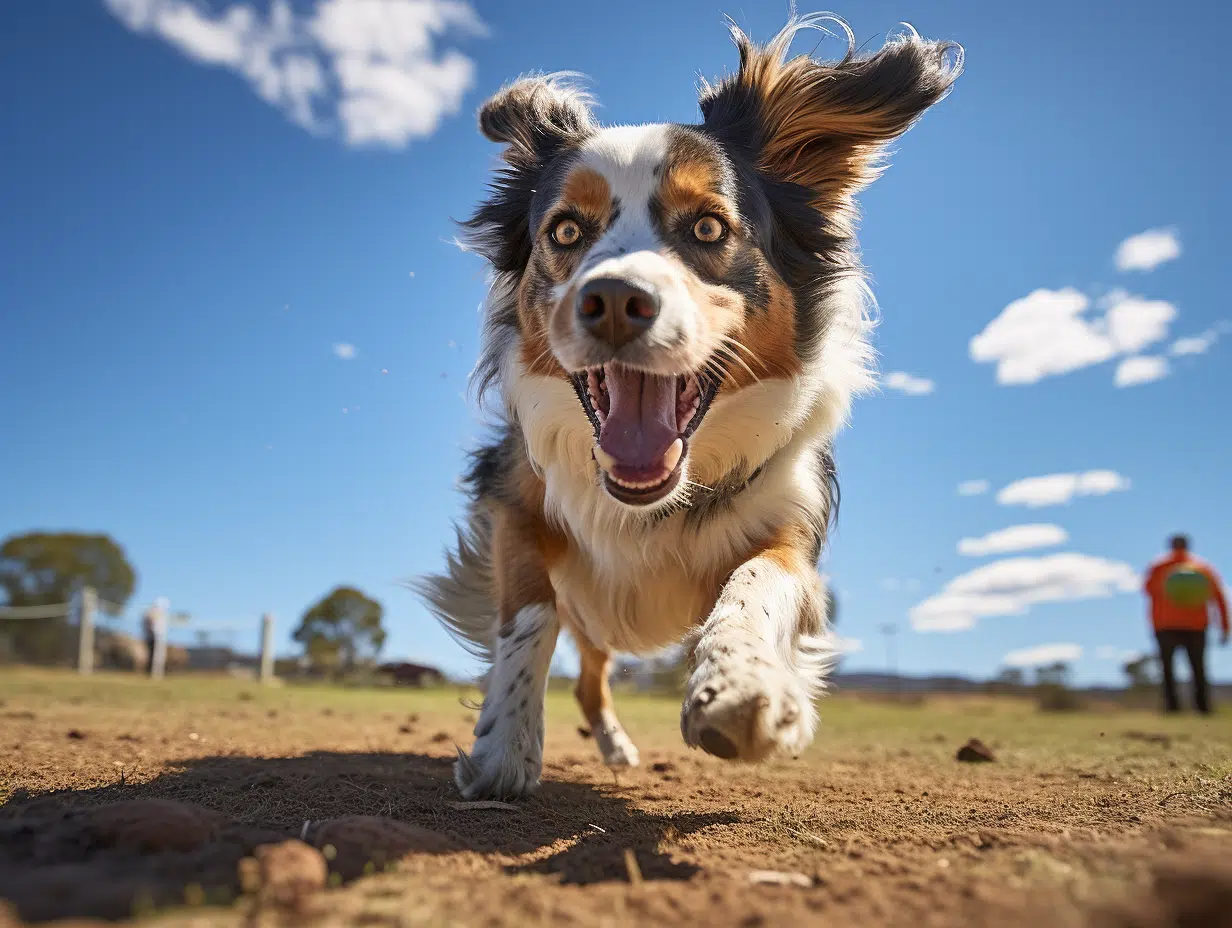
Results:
567 233
708 229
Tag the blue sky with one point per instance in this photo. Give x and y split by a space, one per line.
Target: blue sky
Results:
200 204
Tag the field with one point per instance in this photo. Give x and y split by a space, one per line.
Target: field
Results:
1110 818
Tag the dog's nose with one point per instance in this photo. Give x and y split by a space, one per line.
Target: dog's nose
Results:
615 310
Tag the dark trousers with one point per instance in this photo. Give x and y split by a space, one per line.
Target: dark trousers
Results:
150 641
1194 644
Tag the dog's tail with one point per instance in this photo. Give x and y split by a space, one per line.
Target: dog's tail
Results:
461 597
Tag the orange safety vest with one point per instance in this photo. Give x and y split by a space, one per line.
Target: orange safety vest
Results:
1168 615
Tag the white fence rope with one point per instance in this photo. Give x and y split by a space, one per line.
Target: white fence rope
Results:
56 611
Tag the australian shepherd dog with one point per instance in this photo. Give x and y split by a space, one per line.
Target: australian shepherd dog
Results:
677 324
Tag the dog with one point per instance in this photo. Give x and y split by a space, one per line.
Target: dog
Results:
677 324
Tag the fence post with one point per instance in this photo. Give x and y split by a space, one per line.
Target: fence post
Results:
85 603
158 668
267 647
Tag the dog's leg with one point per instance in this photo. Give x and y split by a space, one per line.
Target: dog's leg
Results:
760 657
594 695
507 758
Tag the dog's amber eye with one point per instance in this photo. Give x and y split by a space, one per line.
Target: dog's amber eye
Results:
567 233
708 229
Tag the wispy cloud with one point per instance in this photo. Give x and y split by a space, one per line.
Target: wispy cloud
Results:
1200 344
1014 538
973 488
371 71
345 351
1012 585
1148 250
1043 654
1058 489
1052 332
1142 369
909 383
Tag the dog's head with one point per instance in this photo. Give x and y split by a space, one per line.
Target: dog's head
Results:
656 267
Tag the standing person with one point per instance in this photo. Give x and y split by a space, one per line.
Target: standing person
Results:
154 628
1181 589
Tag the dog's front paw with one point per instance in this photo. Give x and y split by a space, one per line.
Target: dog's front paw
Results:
746 707
497 769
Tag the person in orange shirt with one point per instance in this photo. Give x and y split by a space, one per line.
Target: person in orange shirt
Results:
1181 589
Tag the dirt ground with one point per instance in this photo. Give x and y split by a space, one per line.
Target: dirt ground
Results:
120 797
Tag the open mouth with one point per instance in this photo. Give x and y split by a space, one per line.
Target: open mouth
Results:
642 426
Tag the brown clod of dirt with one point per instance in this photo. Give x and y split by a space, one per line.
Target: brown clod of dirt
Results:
152 825
354 844
583 731
75 735
285 874
975 751
440 737
663 766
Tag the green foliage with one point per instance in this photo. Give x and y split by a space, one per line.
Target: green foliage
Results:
342 631
1052 689
1142 672
44 568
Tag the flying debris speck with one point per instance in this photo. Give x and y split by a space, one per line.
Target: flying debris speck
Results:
412 273
443 375
269 447
344 409
384 370
452 343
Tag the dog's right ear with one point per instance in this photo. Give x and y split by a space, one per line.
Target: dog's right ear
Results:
537 118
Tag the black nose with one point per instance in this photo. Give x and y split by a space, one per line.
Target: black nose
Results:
616 311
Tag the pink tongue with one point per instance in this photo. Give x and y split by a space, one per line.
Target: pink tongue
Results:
641 418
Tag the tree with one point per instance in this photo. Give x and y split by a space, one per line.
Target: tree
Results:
1052 674
1141 672
1012 676
342 630
43 569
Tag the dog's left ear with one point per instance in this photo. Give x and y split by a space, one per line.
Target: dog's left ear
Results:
824 126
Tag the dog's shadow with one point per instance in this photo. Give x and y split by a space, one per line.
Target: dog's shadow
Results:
54 863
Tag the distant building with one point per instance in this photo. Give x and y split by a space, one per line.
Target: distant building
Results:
405 673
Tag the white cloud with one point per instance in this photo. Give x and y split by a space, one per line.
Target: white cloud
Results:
909 383
1043 654
1053 332
1012 585
345 351
973 488
369 70
1199 344
1139 370
1014 538
1056 489
1147 250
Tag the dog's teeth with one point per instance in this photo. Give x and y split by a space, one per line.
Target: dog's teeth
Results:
672 458
606 461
